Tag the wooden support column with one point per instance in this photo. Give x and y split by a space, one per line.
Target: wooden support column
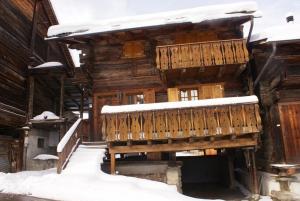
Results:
112 163
61 106
250 162
254 172
34 25
81 103
61 101
30 97
95 117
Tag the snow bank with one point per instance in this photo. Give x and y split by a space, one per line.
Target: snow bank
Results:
82 180
286 32
193 15
49 64
67 136
46 115
182 104
45 157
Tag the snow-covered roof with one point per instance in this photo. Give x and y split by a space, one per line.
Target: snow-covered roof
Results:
182 104
46 115
286 32
192 15
49 64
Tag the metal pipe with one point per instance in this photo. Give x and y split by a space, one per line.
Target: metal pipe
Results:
261 73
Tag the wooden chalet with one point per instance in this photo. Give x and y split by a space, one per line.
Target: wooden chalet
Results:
175 67
27 91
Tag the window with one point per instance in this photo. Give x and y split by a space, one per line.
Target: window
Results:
135 99
41 143
188 94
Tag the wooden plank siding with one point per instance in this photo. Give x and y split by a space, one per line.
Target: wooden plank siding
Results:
289 122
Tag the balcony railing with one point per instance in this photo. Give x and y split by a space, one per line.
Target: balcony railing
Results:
177 120
202 54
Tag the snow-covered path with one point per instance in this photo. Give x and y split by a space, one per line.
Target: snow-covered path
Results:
82 180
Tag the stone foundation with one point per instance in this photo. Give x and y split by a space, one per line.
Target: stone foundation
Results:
161 171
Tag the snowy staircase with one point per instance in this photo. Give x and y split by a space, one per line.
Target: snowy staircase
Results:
86 159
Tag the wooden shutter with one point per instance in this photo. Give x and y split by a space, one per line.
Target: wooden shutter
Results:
173 94
149 96
211 91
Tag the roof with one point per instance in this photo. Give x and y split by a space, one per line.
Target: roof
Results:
192 15
286 32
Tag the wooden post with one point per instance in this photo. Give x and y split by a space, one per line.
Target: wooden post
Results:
61 103
81 103
231 170
112 163
61 106
30 98
34 25
254 173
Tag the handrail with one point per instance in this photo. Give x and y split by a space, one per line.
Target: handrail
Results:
68 145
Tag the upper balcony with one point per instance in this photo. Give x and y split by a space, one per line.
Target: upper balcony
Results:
202 54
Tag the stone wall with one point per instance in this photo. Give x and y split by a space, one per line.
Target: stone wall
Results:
162 171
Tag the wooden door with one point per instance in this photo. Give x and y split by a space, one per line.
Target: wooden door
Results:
290 127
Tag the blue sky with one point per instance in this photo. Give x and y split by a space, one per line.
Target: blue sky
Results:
83 11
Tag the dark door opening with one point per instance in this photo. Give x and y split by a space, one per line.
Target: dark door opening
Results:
208 177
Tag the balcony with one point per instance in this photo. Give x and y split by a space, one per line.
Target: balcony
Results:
179 126
202 54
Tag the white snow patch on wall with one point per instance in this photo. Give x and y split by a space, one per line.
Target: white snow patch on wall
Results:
75 56
182 104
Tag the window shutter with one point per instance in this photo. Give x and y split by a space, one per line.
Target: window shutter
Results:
173 94
149 96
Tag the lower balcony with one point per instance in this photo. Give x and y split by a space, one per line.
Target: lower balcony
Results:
179 126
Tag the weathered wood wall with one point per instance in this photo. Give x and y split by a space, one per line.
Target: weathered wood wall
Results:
21 47
124 62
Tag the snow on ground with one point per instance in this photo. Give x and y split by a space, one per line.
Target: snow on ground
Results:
45 157
83 180
193 15
46 115
180 104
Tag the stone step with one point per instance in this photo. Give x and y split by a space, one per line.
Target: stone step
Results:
95 143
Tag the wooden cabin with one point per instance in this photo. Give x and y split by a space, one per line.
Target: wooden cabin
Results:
27 91
172 83
275 68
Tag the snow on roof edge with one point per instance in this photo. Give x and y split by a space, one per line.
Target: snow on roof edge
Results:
181 104
192 15
286 32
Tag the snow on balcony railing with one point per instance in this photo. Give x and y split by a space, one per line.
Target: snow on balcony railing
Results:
177 105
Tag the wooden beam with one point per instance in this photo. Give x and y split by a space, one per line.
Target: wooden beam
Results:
185 146
30 98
